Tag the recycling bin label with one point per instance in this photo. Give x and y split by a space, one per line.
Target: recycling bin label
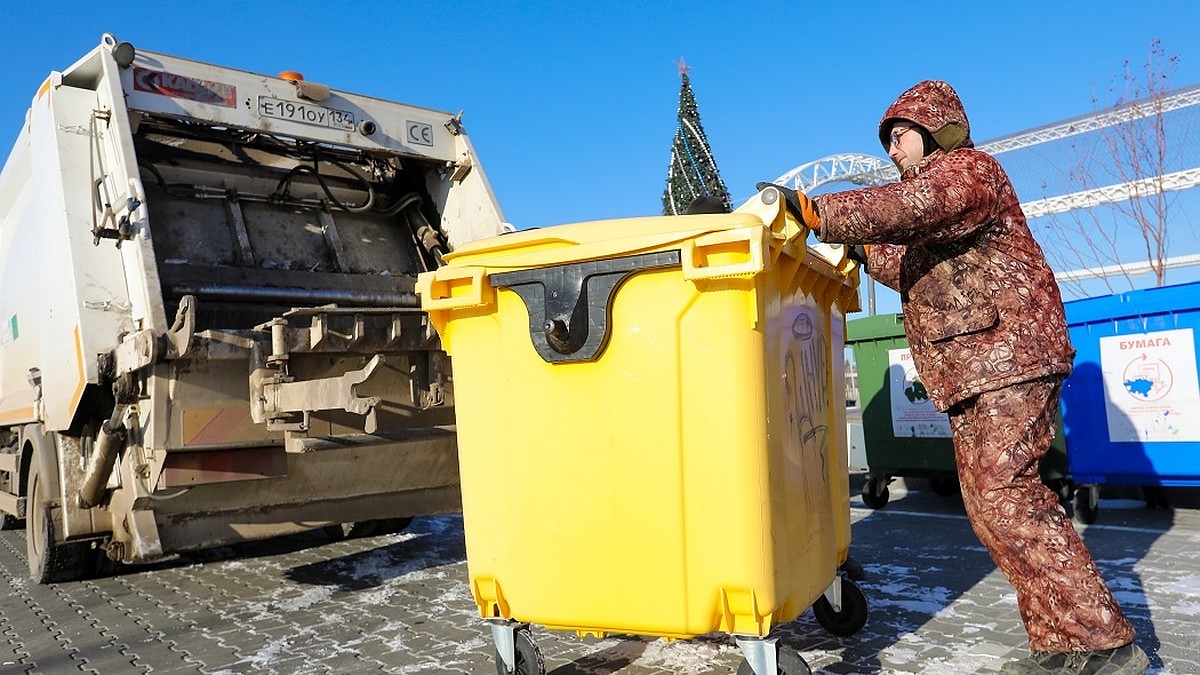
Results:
913 413
1150 386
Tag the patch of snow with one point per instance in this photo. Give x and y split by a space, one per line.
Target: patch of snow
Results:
268 654
1188 607
1188 586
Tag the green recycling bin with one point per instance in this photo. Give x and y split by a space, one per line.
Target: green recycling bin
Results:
903 433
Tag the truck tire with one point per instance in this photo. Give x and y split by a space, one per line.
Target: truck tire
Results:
48 562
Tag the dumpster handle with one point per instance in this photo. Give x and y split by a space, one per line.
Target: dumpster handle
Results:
454 288
570 305
746 247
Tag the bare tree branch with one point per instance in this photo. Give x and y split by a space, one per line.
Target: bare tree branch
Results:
1131 151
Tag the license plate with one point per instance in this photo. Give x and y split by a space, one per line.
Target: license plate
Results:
305 113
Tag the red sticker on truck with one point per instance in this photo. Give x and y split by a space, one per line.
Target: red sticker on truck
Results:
181 86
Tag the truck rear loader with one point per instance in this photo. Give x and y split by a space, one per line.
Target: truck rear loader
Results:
208 326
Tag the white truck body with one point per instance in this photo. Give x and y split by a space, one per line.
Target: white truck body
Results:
208 331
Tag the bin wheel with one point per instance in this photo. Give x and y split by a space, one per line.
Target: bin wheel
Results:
1087 503
787 662
853 615
8 521
943 487
875 493
529 657
1062 488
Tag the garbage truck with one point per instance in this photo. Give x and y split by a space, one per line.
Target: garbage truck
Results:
209 326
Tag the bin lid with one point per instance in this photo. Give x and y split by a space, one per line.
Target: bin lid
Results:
874 328
567 275
1175 299
562 244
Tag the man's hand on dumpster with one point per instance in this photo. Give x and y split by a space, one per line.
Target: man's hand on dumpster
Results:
798 204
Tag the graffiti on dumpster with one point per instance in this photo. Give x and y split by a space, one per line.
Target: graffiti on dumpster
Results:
913 414
1150 386
806 387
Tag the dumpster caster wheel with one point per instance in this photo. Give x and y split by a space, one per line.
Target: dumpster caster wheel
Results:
787 662
851 618
1087 503
875 493
529 657
1062 489
943 487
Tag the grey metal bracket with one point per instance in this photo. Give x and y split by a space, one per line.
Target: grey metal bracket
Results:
760 653
570 305
504 634
280 398
834 594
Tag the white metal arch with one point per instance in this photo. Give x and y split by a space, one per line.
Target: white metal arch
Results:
862 170
855 168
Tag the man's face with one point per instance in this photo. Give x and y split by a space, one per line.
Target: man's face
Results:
907 147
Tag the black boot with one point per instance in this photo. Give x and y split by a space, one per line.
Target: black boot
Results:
1127 660
1037 663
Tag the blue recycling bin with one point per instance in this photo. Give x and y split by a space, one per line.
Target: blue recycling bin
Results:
1131 407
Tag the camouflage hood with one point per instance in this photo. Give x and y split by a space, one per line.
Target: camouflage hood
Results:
934 105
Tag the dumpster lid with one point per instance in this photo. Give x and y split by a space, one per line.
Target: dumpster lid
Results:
591 240
1133 304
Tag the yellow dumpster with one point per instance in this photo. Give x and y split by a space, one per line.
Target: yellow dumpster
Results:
651 428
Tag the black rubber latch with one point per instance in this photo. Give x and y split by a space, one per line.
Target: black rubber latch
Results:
570 305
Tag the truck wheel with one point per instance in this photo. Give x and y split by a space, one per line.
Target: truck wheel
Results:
48 562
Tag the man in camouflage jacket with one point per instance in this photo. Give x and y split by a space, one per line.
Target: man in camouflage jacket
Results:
986 325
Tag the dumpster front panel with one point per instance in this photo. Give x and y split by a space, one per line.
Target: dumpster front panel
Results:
903 435
1132 404
688 479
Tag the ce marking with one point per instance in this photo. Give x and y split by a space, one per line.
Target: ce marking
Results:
419 133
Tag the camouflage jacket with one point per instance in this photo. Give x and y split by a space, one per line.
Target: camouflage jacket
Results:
981 307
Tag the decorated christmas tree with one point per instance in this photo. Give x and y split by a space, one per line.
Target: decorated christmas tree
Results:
693 172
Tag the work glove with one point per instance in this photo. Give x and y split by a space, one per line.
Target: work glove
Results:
859 253
798 204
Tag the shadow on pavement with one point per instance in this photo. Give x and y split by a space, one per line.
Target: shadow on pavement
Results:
1117 557
427 543
609 660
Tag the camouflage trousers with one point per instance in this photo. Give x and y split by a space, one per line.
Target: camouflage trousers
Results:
1000 438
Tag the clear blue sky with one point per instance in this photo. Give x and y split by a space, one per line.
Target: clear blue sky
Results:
571 105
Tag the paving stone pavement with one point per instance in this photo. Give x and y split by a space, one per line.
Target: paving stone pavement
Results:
400 604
